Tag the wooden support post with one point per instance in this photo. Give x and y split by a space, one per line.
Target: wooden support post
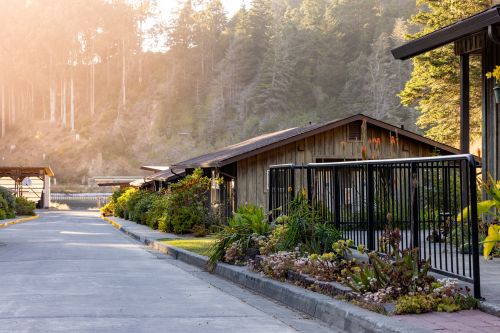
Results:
46 192
464 104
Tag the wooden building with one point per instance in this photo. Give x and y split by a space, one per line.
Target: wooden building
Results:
475 36
33 183
245 165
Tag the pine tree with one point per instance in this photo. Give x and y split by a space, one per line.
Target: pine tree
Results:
434 87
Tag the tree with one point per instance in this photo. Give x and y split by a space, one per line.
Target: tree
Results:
434 87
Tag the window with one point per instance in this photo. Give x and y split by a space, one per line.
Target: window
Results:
354 131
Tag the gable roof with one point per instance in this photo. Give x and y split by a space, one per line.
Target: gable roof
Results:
273 140
470 25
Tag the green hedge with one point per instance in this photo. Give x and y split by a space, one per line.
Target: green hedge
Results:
7 204
24 206
183 209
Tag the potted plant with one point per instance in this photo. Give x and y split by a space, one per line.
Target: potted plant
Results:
496 75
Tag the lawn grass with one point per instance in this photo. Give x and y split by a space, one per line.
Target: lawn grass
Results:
196 245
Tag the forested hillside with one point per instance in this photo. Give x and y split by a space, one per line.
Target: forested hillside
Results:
84 94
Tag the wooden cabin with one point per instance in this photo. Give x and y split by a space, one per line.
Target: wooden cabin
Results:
245 165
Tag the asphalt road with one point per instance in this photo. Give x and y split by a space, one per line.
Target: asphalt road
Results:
70 271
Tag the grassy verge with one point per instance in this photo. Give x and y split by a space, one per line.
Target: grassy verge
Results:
196 245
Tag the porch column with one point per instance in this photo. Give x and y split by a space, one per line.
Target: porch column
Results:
46 192
464 104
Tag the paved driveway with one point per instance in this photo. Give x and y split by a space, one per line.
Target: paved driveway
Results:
72 272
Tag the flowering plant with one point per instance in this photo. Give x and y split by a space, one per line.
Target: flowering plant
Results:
494 74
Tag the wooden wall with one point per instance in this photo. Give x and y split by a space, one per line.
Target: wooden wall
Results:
252 172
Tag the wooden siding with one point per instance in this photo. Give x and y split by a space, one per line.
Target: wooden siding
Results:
332 145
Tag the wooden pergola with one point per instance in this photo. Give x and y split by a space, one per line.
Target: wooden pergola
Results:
478 35
20 174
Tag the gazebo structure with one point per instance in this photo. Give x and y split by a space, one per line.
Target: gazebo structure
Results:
32 183
478 35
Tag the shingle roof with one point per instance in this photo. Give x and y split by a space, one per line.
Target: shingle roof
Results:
270 141
166 175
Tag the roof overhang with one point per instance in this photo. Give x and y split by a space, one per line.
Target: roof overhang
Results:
166 175
448 34
154 168
112 184
34 171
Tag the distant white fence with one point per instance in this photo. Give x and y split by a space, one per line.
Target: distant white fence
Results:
60 196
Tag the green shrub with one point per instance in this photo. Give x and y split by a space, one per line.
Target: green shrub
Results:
188 203
8 196
163 224
9 204
142 205
108 209
125 202
3 215
24 206
157 211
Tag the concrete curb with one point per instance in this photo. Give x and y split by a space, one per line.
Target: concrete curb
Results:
24 219
339 314
490 308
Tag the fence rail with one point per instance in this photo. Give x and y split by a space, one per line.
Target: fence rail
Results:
61 196
422 197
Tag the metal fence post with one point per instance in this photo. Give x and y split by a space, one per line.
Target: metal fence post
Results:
336 196
309 185
414 206
270 191
474 228
370 201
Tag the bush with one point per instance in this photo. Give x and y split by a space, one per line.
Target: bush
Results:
110 207
125 202
8 196
9 202
3 215
157 211
143 204
24 206
188 203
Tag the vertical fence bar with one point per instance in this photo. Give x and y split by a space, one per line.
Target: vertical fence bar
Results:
414 206
370 198
309 185
270 191
475 228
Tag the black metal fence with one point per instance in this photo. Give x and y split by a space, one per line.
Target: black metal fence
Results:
423 197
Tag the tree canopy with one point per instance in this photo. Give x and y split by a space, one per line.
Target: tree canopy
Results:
434 87
98 101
